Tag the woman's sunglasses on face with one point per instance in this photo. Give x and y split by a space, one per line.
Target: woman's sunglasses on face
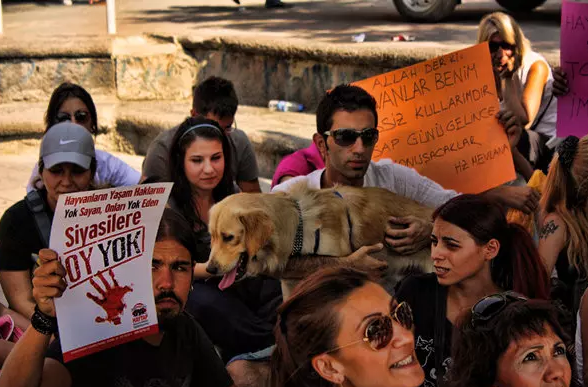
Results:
348 137
488 307
379 331
80 117
494 46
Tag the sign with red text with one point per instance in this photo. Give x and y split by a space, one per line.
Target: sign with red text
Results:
439 117
572 109
105 241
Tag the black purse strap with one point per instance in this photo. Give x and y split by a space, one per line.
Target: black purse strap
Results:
439 339
36 205
540 117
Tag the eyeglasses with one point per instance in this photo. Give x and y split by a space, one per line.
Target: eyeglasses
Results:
348 137
80 116
494 46
379 332
488 307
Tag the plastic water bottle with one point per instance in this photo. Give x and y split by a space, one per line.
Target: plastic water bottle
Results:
285 106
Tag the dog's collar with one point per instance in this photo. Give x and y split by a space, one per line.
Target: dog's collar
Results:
299 238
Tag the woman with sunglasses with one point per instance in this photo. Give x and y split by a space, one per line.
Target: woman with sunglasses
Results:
524 84
67 164
340 328
508 341
475 252
71 102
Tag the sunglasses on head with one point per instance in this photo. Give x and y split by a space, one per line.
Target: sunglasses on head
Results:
494 46
379 331
80 116
488 307
348 137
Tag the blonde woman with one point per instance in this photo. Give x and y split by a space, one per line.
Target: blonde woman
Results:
563 239
524 83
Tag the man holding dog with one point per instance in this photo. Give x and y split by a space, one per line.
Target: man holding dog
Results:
348 114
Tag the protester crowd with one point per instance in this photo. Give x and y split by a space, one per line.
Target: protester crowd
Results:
504 305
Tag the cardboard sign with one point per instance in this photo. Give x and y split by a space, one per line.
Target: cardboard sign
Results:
105 241
439 117
572 109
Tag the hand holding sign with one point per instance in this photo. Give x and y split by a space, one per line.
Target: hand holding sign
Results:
439 117
105 240
112 298
48 281
572 108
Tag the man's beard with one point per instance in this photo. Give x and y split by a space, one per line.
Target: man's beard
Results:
167 317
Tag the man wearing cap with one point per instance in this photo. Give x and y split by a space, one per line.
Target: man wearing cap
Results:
67 163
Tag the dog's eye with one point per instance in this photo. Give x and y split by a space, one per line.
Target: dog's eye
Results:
227 238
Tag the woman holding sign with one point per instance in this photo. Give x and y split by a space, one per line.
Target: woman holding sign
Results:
67 163
475 253
524 84
237 319
71 102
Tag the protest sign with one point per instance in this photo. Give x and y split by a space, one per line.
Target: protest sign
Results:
572 109
105 241
438 117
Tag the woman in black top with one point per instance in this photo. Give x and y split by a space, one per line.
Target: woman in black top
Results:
67 164
238 319
475 253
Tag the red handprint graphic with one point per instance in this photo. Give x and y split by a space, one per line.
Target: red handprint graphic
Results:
112 298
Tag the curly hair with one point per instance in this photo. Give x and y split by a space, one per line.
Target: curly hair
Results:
476 350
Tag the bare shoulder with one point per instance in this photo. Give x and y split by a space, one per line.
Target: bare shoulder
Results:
553 225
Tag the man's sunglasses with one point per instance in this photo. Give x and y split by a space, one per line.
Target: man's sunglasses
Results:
80 116
348 137
379 332
488 307
494 46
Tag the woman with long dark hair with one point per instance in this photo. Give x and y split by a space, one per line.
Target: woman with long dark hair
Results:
240 318
475 252
71 102
200 157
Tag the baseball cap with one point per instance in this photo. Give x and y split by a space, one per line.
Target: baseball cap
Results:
67 142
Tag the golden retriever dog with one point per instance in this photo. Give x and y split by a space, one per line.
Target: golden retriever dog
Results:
255 234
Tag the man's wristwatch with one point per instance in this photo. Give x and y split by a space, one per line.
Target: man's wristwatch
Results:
42 323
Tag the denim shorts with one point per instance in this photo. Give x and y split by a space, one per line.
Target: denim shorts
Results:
262 355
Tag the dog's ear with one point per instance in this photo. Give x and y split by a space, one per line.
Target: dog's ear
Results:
258 229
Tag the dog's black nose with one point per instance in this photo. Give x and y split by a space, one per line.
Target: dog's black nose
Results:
212 268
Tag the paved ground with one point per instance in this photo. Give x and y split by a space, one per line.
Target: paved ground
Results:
329 21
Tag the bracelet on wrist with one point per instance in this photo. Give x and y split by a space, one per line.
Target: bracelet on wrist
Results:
42 323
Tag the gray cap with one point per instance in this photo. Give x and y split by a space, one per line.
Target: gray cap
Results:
67 142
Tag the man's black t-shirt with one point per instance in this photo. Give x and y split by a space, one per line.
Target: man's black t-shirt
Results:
421 293
19 237
185 358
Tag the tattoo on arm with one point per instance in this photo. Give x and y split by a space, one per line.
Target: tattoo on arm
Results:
548 229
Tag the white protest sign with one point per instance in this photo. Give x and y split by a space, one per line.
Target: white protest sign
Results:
105 241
